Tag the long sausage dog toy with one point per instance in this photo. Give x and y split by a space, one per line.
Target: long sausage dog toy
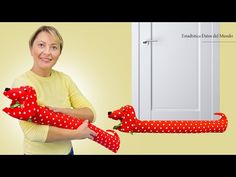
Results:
130 123
24 107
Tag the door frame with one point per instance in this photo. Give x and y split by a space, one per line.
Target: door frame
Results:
136 70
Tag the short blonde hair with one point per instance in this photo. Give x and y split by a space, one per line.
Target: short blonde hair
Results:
48 29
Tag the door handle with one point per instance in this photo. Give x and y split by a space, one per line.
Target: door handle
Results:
149 41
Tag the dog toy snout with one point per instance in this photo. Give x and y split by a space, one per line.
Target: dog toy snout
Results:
7 89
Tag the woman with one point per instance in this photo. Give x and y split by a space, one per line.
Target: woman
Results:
55 90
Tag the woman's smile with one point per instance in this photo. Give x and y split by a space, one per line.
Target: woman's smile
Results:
45 59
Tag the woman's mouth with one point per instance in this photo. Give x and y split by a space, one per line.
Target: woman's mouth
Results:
47 60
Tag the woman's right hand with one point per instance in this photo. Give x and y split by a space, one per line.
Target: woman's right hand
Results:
83 131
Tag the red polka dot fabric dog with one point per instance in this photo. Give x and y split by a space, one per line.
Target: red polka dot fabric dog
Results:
24 107
130 123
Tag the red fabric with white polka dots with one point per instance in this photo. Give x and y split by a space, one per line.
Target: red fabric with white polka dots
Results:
28 110
130 123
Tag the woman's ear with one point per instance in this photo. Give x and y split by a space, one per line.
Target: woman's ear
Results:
30 48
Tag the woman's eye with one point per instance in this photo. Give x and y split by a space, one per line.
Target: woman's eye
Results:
41 45
54 48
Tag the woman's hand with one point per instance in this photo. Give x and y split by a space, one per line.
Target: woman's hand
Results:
83 131
61 134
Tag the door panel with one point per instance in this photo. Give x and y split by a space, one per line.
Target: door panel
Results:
174 61
177 71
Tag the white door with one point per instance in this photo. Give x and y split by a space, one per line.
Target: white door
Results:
175 74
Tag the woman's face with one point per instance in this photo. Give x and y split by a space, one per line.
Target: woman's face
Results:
45 50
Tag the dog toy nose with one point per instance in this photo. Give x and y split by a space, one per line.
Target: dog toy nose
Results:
7 89
109 113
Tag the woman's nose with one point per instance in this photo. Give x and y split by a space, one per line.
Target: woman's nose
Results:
46 50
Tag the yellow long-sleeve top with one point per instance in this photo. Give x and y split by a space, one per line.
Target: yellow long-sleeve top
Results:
57 90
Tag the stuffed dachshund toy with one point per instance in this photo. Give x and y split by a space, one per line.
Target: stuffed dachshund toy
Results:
24 107
130 123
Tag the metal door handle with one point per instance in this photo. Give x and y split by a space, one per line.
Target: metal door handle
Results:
148 41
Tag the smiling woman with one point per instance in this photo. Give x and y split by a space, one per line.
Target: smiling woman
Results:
45 46
55 90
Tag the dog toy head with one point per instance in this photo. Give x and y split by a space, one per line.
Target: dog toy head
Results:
24 102
120 114
127 117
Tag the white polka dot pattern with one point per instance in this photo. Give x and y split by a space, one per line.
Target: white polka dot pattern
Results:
130 123
29 110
